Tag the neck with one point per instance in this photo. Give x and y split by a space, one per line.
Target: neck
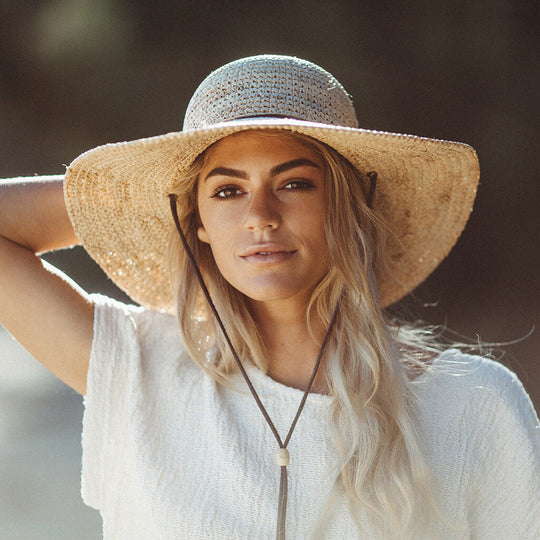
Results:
291 350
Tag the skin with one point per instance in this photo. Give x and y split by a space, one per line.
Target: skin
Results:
42 308
55 320
261 206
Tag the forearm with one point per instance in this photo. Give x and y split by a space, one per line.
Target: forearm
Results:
43 309
33 213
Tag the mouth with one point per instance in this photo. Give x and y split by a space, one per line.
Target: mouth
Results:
267 255
265 249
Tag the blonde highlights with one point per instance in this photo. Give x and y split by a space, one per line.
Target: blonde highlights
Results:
382 467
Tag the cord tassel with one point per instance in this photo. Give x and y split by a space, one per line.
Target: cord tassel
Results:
282 504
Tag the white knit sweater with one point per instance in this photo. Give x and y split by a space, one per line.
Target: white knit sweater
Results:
169 454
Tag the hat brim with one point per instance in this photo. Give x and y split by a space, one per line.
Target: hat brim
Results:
116 197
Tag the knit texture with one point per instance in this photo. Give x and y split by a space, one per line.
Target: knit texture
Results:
261 85
169 454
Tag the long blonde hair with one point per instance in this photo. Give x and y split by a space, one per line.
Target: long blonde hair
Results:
369 366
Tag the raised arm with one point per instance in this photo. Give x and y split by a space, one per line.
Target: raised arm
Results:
41 307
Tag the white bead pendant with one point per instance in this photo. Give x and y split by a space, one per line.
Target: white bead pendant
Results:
283 457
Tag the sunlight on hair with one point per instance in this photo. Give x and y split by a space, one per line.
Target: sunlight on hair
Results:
370 369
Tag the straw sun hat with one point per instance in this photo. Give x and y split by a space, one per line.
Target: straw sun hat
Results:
116 194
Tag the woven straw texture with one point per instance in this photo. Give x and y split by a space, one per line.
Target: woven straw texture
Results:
269 85
116 194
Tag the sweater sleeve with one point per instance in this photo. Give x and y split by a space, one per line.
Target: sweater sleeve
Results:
113 360
505 459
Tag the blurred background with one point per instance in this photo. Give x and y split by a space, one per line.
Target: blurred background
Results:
75 74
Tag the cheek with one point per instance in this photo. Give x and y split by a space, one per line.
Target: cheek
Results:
206 231
217 235
311 223
214 228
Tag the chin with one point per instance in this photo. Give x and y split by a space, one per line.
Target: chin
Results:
268 297
274 293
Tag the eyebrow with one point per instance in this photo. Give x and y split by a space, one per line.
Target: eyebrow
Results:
278 169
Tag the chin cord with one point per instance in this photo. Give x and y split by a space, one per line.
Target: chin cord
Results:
282 456
372 186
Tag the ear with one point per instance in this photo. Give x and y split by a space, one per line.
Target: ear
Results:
202 234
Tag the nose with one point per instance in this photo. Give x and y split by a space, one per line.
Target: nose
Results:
262 212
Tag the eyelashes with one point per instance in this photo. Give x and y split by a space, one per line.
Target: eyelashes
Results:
232 191
226 192
298 185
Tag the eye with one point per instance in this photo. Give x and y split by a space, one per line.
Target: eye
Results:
226 192
298 185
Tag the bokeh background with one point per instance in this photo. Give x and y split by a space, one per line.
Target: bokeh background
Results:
78 73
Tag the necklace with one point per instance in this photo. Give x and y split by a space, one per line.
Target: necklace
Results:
282 454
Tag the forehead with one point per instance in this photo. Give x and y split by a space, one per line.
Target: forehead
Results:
261 144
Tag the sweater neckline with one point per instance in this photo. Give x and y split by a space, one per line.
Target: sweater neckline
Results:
271 388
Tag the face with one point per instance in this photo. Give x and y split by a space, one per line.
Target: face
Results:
261 206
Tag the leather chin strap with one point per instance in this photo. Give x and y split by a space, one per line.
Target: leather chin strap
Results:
282 453
372 186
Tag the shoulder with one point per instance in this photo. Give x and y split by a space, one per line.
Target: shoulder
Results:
480 424
145 329
471 376
480 395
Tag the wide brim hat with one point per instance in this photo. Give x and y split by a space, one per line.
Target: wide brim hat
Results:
117 194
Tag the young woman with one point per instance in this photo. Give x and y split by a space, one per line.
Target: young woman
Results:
279 399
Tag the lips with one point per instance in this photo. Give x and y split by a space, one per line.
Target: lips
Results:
265 254
265 250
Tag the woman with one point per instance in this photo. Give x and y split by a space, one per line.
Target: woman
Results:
277 230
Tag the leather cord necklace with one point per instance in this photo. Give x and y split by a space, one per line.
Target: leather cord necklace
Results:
282 456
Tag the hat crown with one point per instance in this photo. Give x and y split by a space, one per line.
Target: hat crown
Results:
270 85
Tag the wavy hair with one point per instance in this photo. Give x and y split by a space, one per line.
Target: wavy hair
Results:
370 364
